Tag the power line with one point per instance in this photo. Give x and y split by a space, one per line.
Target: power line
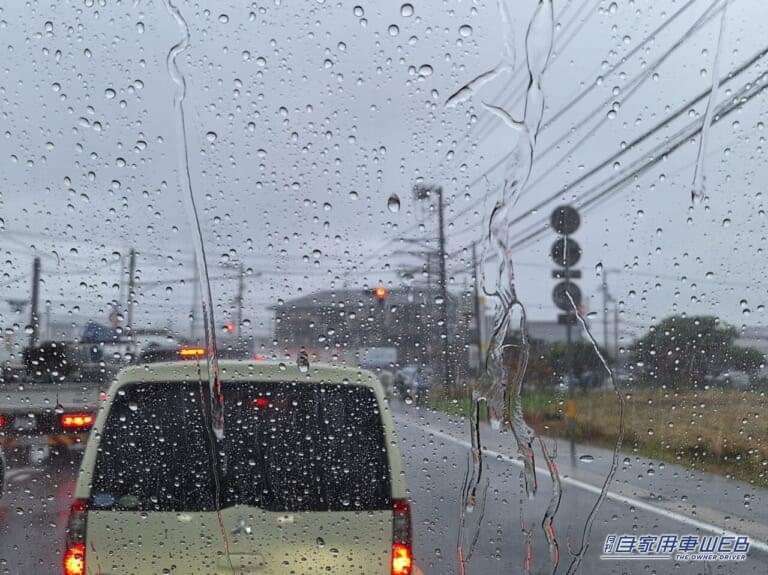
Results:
661 151
503 159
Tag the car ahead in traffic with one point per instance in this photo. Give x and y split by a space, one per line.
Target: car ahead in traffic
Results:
306 478
414 383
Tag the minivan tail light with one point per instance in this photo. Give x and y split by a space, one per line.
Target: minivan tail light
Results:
74 560
74 554
402 550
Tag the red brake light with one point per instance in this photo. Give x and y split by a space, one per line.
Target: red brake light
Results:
402 552
261 402
192 352
402 559
74 560
77 420
2 421
74 554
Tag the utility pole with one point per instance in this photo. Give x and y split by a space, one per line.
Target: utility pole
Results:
478 316
606 299
240 288
131 291
424 192
34 318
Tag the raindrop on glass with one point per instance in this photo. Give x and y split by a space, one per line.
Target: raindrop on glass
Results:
393 203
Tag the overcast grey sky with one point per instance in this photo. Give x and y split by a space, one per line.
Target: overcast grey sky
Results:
304 117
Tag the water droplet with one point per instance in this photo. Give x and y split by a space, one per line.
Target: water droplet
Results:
465 31
140 27
358 11
406 10
211 136
393 30
223 18
109 93
425 70
612 8
586 458
393 203
320 542
133 406
409 400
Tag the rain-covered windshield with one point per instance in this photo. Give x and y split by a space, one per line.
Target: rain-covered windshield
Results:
498 265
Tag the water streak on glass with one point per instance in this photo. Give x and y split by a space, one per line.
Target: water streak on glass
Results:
506 64
507 361
698 191
212 364
578 556
189 201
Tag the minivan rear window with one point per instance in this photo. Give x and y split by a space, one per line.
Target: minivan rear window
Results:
287 447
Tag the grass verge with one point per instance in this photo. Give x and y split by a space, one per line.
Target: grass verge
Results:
724 431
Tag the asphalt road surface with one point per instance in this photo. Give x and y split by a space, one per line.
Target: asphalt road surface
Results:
645 498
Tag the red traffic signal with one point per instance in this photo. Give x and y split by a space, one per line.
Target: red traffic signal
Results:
380 293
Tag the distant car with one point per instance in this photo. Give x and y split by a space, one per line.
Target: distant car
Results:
414 383
404 379
306 476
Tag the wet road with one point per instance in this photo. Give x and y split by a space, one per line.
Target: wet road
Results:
33 515
645 498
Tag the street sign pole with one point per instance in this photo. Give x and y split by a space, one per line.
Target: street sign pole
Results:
566 253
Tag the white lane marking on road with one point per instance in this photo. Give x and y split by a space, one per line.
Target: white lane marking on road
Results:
679 517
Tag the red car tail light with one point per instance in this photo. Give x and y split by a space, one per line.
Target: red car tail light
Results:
2 421
402 551
77 420
74 553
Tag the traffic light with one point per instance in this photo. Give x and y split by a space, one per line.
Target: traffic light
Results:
566 253
380 293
